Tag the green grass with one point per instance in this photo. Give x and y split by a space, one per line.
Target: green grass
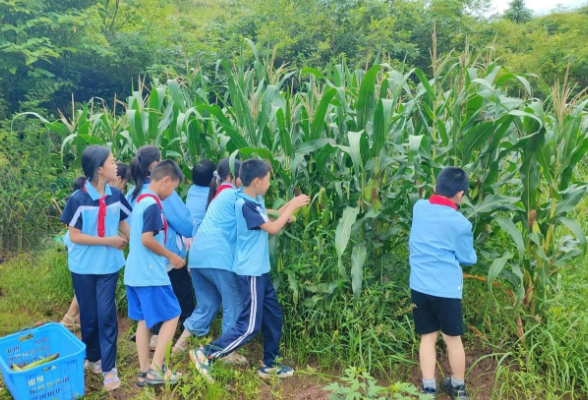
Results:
374 334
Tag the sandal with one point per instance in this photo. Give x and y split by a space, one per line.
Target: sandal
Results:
113 383
70 322
159 379
179 348
95 367
142 375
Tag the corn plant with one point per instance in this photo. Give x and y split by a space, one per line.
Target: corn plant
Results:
365 145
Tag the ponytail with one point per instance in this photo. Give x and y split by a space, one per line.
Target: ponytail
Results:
79 183
222 173
212 191
138 176
146 155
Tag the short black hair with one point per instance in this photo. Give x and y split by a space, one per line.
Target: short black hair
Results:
202 173
450 181
167 168
252 169
123 171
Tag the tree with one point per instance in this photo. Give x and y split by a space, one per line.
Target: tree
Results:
518 12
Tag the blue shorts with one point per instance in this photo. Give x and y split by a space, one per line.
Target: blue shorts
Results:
153 304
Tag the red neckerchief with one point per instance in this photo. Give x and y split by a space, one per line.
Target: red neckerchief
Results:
221 188
443 201
101 214
160 208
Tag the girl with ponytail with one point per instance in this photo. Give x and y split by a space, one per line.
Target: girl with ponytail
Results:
94 216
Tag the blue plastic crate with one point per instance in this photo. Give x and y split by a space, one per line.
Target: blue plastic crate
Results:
61 379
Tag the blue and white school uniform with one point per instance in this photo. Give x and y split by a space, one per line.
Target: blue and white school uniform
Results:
196 201
149 292
94 269
178 217
180 224
211 264
252 266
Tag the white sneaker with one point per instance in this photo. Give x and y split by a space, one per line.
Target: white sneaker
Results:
235 359
153 343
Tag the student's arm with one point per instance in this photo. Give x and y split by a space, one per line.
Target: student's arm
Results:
125 229
152 223
76 236
148 240
274 227
178 215
73 219
125 212
280 210
464 246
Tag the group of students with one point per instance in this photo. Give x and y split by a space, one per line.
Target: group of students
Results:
223 228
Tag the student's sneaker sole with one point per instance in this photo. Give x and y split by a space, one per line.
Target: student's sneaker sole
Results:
458 393
281 372
202 364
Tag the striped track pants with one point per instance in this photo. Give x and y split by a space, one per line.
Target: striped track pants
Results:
261 312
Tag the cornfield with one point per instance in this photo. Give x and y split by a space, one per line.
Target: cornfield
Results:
366 145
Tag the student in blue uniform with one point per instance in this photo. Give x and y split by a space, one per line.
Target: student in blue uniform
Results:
180 225
261 310
211 263
150 296
440 240
199 193
123 175
71 319
94 216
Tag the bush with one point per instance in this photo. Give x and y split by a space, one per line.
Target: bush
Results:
30 181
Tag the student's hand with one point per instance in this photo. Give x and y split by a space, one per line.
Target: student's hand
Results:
177 261
118 242
299 201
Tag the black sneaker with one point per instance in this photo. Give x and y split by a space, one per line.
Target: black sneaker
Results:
428 390
456 393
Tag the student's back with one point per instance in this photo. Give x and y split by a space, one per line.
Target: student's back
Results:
215 241
196 202
177 215
440 240
252 253
199 193
144 267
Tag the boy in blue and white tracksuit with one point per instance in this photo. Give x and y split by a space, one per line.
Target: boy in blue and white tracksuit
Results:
440 240
261 310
